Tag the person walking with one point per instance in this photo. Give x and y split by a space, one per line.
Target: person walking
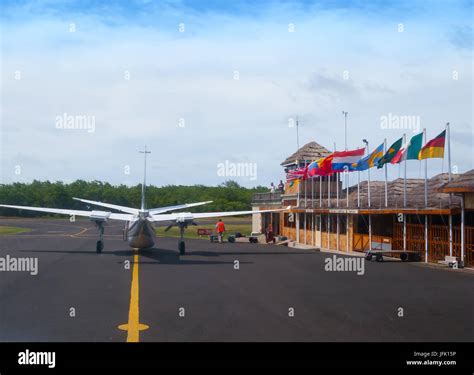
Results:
220 227
270 233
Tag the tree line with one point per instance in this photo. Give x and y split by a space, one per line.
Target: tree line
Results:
228 196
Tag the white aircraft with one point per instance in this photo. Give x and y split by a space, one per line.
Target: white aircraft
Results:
139 223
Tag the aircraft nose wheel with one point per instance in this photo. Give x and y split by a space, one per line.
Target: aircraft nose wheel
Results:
182 247
99 247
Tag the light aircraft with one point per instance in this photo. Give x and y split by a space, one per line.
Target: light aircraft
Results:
139 223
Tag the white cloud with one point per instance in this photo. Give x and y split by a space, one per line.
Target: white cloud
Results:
190 76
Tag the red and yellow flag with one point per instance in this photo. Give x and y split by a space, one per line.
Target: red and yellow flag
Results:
434 148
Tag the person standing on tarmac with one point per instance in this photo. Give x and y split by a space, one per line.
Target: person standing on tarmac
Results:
269 233
220 227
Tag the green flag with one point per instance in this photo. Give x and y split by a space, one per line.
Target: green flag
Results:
414 147
391 152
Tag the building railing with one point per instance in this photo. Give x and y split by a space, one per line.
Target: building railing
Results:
267 197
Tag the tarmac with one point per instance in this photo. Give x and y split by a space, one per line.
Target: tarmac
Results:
275 294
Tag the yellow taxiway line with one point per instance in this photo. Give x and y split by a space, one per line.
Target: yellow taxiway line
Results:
133 327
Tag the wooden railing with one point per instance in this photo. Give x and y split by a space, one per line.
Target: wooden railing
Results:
267 197
438 241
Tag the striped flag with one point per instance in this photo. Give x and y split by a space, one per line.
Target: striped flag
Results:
297 174
410 150
343 160
434 148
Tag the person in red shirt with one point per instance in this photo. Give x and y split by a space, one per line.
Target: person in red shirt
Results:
270 233
220 226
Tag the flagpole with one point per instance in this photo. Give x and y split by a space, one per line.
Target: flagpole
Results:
329 191
368 173
337 205
385 171
337 182
320 191
347 188
305 193
426 173
305 201
347 183
347 214
404 198
299 183
358 189
463 218
405 176
368 196
448 128
426 202
448 135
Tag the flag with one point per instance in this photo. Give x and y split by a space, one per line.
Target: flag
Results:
325 166
391 152
370 160
434 148
343 160
314 168
294 174
410 150
320 167
297 174
414 147
293 183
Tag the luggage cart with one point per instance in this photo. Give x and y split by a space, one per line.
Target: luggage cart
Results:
404 255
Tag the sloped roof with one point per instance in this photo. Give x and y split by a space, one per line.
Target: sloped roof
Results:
463 183
310 151
415 193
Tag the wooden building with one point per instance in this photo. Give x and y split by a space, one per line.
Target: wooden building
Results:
321 214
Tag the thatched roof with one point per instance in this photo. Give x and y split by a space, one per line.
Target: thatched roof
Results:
463 183
415 194
309 152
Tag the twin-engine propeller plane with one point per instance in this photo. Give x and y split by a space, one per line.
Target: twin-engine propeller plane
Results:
139 223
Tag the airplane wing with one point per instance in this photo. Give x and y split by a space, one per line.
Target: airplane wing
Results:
91 214
128 210
159 210
188 216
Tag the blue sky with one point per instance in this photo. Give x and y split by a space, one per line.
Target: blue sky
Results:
340 55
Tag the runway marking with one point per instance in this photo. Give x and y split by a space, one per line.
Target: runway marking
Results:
134 326
79 233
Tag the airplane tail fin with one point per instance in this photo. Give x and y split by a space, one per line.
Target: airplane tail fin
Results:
143 205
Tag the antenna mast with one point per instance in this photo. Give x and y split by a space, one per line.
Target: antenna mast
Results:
144 178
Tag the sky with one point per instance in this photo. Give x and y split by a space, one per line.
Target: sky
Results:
213 87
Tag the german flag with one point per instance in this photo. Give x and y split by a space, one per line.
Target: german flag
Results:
434 148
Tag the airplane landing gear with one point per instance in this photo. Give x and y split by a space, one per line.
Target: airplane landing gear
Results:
181 244
100 244
182 247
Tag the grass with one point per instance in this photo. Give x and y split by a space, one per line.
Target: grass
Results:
5 230
191 231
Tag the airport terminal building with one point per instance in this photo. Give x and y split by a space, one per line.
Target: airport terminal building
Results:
321 213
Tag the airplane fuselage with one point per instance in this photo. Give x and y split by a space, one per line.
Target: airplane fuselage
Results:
140 234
